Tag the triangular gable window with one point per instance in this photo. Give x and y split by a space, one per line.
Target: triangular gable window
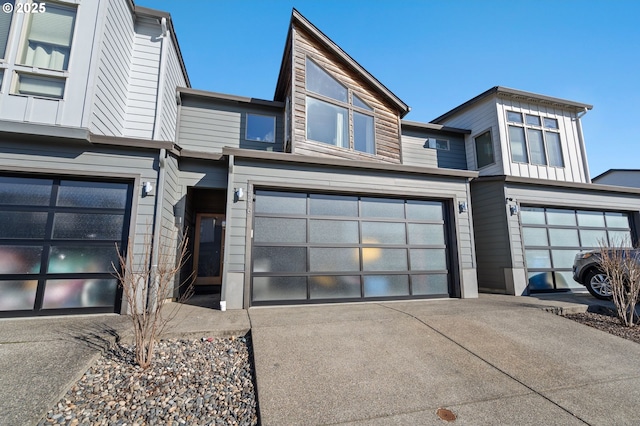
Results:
318 81
360 103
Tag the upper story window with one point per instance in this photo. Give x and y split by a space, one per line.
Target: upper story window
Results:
484 149
261 128
439 144
534 139
5 26
336 115
43 59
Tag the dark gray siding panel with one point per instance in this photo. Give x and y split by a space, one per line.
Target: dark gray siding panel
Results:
491 234
416 151
210 125
289 176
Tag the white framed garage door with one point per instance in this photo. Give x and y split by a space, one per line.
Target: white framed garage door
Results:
310 248
552 237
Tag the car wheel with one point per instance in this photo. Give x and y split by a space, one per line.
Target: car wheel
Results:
598 285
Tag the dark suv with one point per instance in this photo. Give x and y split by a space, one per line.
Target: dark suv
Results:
587 271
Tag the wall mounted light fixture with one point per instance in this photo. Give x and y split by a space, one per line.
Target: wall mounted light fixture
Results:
514 209
239 192
147 188
462 207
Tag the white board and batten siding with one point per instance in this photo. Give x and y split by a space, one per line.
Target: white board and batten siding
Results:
479 119
573 170
209 125
314 178
109 106
69 111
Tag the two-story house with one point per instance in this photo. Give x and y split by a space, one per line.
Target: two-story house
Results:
323 194
534 205
87 116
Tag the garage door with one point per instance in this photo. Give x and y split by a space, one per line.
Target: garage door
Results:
310 248
552 237
57 242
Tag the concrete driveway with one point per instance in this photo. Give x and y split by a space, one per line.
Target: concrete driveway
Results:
493 360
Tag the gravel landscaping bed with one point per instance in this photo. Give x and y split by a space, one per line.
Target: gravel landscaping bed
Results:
606 320
201 382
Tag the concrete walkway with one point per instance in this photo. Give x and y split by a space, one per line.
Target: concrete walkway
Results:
493 360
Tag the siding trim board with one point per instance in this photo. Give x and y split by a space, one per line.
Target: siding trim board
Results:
333 162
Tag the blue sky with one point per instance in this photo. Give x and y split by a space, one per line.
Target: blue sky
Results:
435 55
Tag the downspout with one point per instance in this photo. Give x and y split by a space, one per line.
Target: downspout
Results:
157 222
162 66
225 258
585 163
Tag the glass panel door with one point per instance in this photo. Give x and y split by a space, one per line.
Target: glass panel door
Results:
209 249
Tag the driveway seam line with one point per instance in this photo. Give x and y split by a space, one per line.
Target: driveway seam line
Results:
487 362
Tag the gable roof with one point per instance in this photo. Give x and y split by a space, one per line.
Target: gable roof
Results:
519 94
300 21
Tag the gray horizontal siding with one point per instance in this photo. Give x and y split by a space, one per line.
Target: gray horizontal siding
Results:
202 174
94 162
320 179
112 79
416 151
211 125
143 82
491 234
173 78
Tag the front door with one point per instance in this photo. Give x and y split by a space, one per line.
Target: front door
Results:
209 249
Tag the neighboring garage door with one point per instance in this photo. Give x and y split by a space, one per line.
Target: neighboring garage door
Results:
552 237
310 248
57 242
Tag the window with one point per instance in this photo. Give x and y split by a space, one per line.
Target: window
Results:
441 144
47 47
333 110
534 140
5 25
484 149
261 128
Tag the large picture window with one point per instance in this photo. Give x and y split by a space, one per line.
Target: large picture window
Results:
331 108
57 253
534 139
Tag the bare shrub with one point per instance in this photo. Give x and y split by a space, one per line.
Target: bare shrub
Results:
147 279
621 265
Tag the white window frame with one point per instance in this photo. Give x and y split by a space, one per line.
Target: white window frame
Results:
542 128
35 72
246 129
433 143
349 106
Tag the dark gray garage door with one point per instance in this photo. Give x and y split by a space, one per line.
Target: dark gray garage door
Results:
57 242
315 248
552 237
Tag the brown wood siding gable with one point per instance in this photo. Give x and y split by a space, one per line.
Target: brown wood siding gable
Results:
386 121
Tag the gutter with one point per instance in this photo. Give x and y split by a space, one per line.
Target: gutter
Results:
161 79
227 241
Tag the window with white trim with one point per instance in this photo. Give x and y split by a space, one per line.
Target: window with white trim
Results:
534 139
333 110
45 51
